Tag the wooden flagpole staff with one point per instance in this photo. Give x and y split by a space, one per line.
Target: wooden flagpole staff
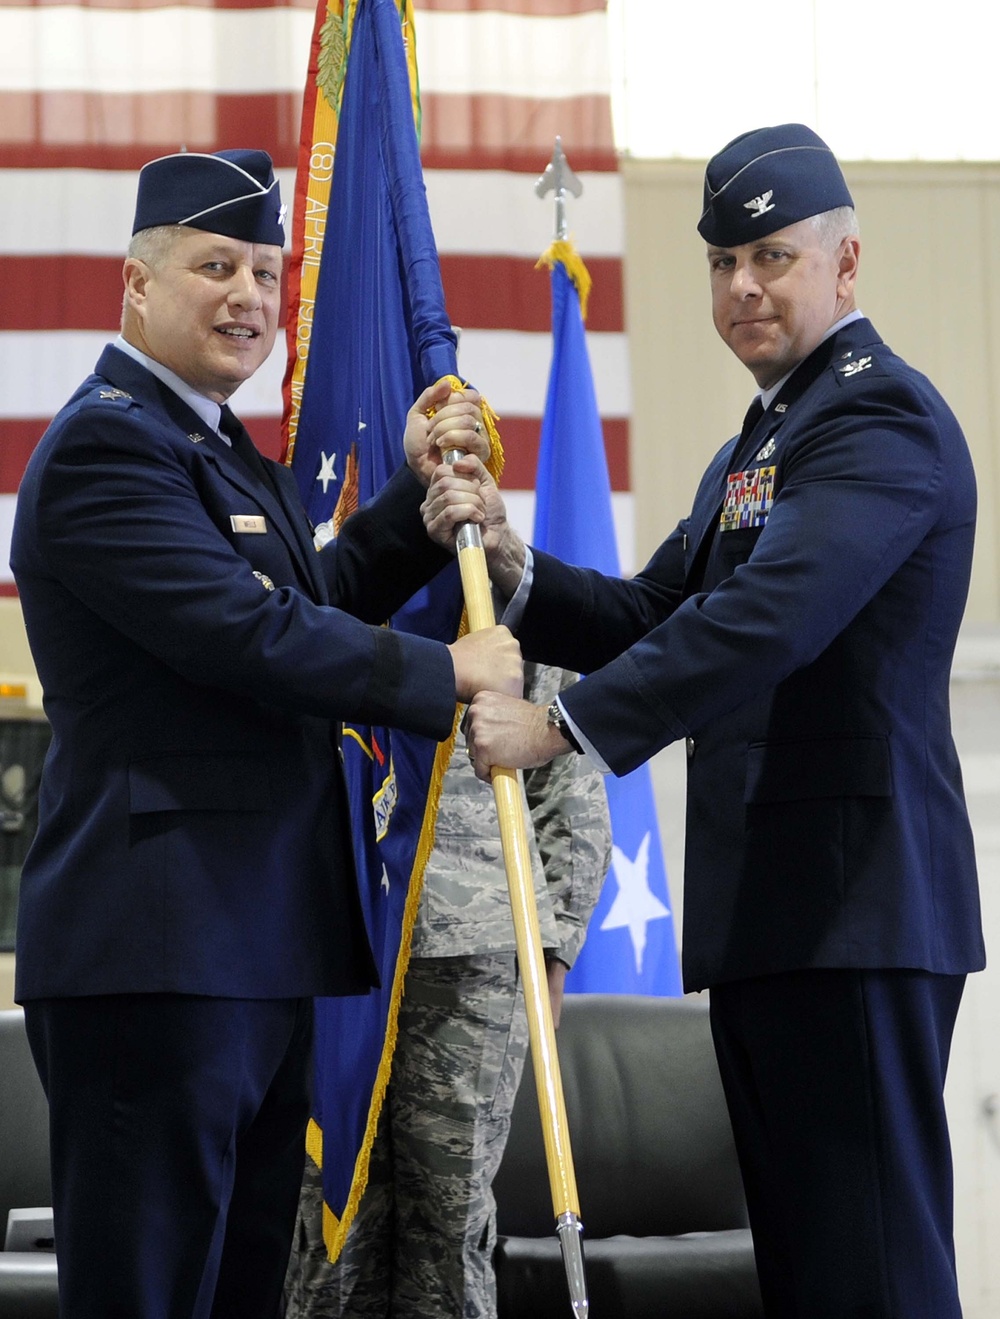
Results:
531 960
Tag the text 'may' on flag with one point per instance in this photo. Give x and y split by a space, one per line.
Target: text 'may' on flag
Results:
631 945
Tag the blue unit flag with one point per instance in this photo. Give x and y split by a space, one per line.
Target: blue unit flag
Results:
631 943
373 335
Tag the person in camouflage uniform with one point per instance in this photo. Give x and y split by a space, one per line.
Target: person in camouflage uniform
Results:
421 1245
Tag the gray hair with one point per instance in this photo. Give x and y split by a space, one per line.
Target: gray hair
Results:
152 245
832 227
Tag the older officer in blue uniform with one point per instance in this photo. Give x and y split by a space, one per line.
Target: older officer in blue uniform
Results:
798 630
191 885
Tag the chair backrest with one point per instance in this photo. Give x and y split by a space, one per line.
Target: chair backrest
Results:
652 1146
24 1123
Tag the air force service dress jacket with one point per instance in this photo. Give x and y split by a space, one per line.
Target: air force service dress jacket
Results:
196 655
798 628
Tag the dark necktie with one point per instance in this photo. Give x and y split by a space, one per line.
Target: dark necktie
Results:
744 446
234 430
696 572
754 413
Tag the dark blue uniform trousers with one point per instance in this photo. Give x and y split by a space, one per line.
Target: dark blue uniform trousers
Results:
834 1081
177 1150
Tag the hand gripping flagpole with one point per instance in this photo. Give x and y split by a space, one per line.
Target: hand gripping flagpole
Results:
517 861
531 960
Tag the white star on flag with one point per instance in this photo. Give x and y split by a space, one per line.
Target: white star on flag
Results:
635 904
326 472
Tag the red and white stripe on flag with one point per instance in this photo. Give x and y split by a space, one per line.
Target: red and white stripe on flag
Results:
500 79
89 92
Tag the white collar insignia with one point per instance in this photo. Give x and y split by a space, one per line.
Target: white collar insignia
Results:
766 452
852 368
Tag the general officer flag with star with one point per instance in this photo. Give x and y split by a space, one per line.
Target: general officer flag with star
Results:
631 943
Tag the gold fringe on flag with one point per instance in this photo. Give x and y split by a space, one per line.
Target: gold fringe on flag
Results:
564 253
495 462
335 1228
329 53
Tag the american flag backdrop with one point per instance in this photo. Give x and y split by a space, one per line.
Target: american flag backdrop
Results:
89 92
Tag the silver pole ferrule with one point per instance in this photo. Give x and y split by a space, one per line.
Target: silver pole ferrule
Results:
570 1230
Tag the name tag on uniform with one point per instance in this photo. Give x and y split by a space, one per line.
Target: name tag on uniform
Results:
749 496
251 524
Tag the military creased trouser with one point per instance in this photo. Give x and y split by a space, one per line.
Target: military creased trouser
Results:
421 1246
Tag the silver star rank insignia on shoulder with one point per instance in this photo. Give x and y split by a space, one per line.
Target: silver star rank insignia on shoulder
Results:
765 452
195 438
114 393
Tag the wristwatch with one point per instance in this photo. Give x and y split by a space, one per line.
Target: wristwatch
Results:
555 718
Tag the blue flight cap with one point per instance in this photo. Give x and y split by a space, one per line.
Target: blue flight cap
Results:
233 193
767 179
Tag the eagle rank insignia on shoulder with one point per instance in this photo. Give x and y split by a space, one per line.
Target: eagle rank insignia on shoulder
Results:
853 368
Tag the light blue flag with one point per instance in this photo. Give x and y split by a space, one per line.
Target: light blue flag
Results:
631 943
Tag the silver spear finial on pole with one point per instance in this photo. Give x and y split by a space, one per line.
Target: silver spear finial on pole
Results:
560 179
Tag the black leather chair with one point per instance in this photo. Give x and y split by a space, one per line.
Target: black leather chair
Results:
661 1202
28 1288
